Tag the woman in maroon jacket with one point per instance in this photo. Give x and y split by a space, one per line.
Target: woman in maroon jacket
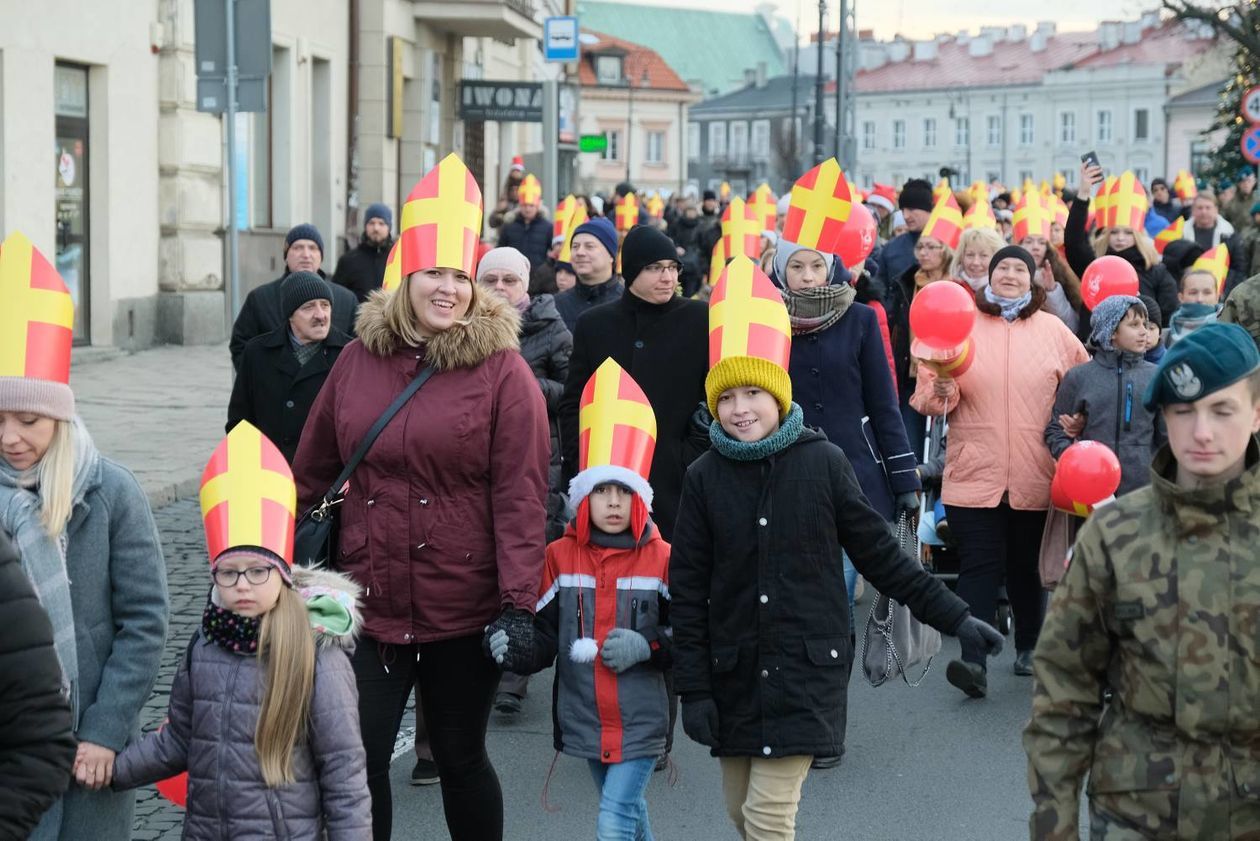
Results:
442 524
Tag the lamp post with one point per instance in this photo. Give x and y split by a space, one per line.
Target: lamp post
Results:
819 114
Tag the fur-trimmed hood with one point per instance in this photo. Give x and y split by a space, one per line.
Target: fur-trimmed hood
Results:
332 603
491 325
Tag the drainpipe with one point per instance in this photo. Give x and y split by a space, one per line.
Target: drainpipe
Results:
352 123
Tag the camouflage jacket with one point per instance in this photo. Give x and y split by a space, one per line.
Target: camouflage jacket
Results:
1242 307
1161 605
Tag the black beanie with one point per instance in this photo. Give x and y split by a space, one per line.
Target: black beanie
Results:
1017 252
300 287
916 195
303 231
643 246
709 195
1153 312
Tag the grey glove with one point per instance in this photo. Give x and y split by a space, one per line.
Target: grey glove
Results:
908 502
976 634
624 648
700 720
517 626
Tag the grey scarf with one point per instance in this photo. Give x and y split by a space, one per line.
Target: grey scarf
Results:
817 308
44 557
1011 307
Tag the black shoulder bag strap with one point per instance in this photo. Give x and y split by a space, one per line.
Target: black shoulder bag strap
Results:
333 495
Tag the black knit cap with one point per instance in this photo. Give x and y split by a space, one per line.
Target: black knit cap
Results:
915 195
300 287
1016 252
303 231
643 246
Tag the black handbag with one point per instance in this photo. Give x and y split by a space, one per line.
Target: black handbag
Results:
315 536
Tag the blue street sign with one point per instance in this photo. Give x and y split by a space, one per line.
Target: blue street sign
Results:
560 39
1250 145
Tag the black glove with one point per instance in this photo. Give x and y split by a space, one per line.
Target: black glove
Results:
518 625
700 720
976 634
908 502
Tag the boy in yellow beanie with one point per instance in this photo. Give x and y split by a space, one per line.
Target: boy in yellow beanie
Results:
762 648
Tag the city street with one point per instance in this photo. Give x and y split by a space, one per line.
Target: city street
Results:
923 764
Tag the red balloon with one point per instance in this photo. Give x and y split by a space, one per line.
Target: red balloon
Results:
1088 473
857 237
1107 276
942 315
175 789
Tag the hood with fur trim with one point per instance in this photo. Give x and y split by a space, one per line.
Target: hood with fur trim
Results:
332 603
490 326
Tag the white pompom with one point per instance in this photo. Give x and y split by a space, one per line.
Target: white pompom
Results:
583 650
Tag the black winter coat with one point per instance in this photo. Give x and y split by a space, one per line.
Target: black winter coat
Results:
579 299
759 607
665 347
547 345
37 743
897 297
273 393
1156 281
362 269
533 239
260 314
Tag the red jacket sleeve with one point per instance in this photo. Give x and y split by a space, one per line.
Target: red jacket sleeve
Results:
882 317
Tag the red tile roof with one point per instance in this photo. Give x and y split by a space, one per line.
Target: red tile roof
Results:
660 76
1013 63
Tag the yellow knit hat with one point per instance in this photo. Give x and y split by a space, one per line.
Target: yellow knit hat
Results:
750 336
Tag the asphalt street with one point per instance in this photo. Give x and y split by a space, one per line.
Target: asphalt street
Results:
923 764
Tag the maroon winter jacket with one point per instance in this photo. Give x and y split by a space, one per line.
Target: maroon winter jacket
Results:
443 523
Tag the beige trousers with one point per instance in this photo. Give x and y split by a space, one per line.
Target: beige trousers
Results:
762 795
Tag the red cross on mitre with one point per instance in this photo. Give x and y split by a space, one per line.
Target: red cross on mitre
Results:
36 314
248 497
819 207
441 221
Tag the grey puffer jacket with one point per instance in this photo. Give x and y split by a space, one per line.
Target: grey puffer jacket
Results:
214 708
1108 390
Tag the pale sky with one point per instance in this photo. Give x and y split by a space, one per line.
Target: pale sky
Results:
924 18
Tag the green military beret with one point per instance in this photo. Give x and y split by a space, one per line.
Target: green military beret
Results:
1213 357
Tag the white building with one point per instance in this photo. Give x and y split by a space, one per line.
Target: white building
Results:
1008 104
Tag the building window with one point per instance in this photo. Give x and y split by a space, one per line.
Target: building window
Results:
1142 174
608 69
761 139
993 131
655 153
612 152
717 140
962 131
1025 129
739 141
693 140
1200 156
868 135
899 134
1104 126
1141 125
1069 177
994 177
1025 175
1067 127
929 132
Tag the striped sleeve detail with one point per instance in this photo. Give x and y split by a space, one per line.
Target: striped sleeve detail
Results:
644 582
565 579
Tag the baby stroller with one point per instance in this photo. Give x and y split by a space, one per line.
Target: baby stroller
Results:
940 553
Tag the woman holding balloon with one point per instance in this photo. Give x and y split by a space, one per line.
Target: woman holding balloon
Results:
996 374
1124 205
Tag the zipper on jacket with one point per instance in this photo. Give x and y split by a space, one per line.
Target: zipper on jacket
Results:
1119 403
1128 407
634 614
225 726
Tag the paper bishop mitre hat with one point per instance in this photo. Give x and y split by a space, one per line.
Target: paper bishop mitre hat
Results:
1126 203
616 435
750 335
1032 217
818 207
945 224
440 225
248 498
36 333
741 230
529 191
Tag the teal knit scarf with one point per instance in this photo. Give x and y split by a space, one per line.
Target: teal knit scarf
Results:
737 450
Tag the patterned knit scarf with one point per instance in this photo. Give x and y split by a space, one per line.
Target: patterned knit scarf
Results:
1011 307
737 450
304 352
236 633
814 310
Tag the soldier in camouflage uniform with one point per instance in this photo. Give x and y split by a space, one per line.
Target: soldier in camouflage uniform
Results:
1161 606
1242 307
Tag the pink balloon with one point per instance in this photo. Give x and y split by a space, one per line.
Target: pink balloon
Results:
1107 276
857 237
942 314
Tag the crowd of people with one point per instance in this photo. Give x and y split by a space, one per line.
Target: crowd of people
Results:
596 445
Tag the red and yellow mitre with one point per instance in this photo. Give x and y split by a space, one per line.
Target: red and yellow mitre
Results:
1060 181
577 219
980 214
741 231
655 206
945 224
441 221
36 333
1216 261
1102 200
248 498
750 335
1184 186
529 191
724 191
1058 210
1126 203
763 203
393 268
941 188
560 218
1032 218
819 206
1170 234
616 434
627 213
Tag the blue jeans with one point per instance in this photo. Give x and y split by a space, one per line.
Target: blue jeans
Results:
850 584
623 812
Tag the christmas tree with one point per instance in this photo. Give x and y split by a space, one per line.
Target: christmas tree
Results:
1226 161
